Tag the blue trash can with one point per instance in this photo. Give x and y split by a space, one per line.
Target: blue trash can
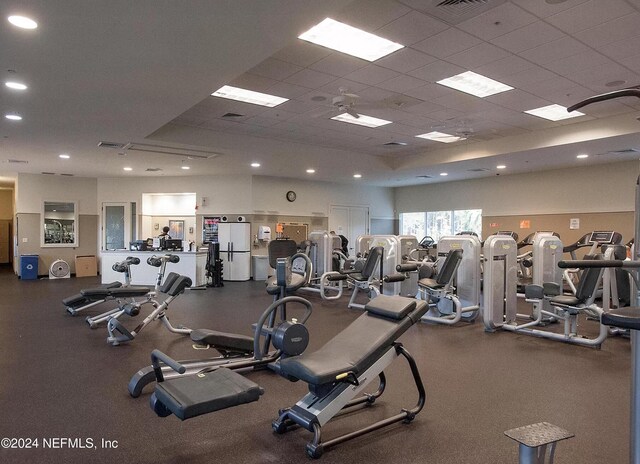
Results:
29 267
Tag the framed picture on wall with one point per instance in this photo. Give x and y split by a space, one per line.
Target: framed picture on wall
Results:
176 229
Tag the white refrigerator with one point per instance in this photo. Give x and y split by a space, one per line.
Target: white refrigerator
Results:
235 250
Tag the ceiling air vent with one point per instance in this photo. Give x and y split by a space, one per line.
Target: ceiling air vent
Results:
232 115
477 170
189 153
453 11
627 151
110 145
68 175
425 177
153 169
48 173
15 161
395 144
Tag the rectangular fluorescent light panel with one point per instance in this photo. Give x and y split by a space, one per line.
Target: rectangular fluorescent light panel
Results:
475 84
367 121
440 137
350 40
554 113
248 96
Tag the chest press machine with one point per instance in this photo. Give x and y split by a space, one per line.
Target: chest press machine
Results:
337 375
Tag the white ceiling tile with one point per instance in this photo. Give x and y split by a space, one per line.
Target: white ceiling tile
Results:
554 85
589 14
544 9
275 69
333 87
622 48
518 100
425 109
401 83
417 121
631 62
302 53
529 36
611 31
297 106
530 76
279 114
463 102
411 28
497 21
447 43
436 71
503 68
570 97
338 64
597 78
571 65
286 90
402 129
406 59
429 91
372 74
478 55
376 94
252 82
553 51
262 122
370 15
445 114
186 119
310 78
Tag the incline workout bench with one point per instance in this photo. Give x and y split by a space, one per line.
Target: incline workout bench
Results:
336 374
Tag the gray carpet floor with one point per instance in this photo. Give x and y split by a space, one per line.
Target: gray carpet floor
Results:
60 379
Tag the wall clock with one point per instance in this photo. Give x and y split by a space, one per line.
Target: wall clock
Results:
291 195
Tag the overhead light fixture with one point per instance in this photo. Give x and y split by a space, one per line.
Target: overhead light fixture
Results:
444 174
15 85
362 120
311 171
13 116
440 137
357 176
554 113
583 156
501 166
64 156
350 40
248 96
185 167
475 84
127 168
255 165
22 22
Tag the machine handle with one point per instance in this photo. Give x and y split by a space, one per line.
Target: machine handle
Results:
587 263
604 97
133 260
157 356
172 258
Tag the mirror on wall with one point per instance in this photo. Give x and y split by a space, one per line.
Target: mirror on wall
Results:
60 224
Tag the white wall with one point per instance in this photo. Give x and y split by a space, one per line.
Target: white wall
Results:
33 189
315 198
597 188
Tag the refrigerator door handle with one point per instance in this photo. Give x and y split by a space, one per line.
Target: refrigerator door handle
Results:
231 251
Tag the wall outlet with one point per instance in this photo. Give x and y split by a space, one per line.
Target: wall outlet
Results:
25 240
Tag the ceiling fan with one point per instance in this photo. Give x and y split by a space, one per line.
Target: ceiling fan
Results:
461 128
345 102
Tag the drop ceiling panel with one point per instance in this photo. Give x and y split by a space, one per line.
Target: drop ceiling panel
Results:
553 51
589 14
571 65
297 106
518 100
261 121
497 21
372 74
543 9
333 87
375 95
310 78
597 78
551 86
426 109
406 59
611 31
607 109
411 28
532 75
252 82
275 69
417 121
429 91
302 53
447 43
622 48
436 71
464 102
505 67
371 15
633 63
529 36
338 64
402 83
477 56
279 114
287 90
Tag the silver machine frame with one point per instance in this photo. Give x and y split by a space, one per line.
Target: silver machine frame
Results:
323 249
450 307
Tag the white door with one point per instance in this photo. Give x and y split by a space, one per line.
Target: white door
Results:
350 221
116 226
241 266
241 236
224 236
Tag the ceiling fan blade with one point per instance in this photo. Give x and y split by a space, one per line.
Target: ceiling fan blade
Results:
351 95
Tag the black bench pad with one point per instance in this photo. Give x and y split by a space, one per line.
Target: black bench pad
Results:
358 346
625 318
193 395
223 340
80 298
565 300
124 292
430 283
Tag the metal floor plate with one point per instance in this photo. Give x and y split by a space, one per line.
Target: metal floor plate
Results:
535 435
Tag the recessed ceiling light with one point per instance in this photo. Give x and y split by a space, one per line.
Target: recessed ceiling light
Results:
64 156
15 85
22 22
350 40
255 165
13 116
475 84
501 166
554 112
582 156
127 168
367 121
248 96
444 174
185 167
310 171
357 176
440 137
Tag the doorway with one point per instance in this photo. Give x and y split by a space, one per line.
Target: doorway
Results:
350 221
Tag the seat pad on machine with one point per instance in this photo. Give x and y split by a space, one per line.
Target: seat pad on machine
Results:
360 344
123 292
193 395
223 340
567 300
429 283
80 298
296 282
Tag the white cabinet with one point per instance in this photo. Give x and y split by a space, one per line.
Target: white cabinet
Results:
235 250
